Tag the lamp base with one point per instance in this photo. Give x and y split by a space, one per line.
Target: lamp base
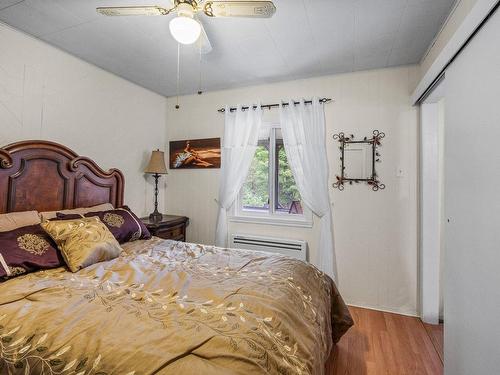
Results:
156 216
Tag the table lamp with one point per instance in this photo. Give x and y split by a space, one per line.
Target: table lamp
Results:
156 167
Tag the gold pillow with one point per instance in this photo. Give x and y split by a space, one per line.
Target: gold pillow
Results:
83 242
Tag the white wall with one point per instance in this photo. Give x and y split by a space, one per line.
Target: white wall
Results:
472 205
375 232
48 94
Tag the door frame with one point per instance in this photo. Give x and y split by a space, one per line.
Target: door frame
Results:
431 204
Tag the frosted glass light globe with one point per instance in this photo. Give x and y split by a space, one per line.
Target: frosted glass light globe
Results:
185 30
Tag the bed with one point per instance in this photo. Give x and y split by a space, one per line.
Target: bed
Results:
161 307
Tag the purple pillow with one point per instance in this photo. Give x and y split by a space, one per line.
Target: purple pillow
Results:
27 249
122 222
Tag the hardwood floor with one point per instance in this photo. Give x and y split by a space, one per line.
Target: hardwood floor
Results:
436 334
389 344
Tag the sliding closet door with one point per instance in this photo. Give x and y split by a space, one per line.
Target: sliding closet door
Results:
472 207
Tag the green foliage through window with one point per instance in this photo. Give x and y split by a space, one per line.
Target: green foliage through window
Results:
287 190
255 192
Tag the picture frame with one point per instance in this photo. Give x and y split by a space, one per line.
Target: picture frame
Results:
195 154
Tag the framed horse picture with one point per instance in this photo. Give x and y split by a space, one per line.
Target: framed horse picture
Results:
195 153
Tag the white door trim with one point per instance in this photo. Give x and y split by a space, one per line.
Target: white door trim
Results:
431 204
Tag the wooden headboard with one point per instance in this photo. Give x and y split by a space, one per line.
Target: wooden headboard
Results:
47 176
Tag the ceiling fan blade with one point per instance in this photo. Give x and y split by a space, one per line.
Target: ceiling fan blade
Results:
252 9
134 11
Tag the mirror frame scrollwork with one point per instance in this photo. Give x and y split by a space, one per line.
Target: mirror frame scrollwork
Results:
372 180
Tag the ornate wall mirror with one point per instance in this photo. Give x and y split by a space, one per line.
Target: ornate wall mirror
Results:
358 159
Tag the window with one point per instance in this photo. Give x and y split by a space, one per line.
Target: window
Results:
269 194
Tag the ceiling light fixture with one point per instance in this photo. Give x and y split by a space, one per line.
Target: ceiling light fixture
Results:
184 28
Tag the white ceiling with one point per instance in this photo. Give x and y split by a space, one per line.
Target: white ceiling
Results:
304 38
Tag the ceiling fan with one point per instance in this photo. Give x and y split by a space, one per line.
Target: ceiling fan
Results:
185 28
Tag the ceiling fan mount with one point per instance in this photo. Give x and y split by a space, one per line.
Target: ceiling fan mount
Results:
193 3
181 5
187 8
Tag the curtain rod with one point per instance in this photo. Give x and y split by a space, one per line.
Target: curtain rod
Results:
269 106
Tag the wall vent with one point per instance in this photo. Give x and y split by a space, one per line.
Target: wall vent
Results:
293 248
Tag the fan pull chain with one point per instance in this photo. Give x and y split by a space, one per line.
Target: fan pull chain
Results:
199 67
178 74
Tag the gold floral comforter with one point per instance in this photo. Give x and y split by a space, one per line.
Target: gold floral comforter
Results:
165 307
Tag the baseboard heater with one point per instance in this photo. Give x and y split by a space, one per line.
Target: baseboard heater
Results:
293 248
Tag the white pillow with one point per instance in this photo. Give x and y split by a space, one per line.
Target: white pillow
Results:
14 220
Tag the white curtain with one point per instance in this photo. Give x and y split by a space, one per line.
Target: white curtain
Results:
241 134
303 129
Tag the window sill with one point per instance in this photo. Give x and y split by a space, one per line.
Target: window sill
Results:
283 222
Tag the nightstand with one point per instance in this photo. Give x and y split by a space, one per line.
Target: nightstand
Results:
171 227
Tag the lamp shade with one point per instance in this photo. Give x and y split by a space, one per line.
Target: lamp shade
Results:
156 163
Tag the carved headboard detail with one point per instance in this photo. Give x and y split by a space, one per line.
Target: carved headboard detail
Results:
47 176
